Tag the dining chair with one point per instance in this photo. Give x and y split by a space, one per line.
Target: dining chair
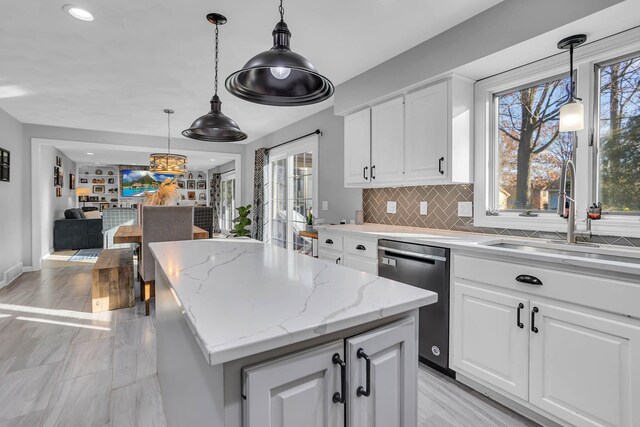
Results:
113 218
161 224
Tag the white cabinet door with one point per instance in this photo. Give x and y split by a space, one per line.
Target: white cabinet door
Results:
362 264
357 148
393 362
427 135
387 143
585 369
333 257
489 342
295 390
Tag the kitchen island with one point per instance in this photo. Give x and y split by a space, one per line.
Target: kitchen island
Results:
250 334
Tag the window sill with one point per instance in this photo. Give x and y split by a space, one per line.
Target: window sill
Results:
544 222
617 226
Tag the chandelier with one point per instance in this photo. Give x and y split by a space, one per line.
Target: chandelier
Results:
168 163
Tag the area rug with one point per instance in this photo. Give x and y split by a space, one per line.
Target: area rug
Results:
86 254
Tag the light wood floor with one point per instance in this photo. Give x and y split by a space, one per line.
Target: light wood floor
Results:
61 365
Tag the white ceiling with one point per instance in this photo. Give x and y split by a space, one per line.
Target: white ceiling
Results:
108 154
118 72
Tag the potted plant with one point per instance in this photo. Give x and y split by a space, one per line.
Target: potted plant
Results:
309 217
242 221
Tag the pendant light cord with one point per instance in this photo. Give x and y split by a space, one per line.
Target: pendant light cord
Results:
281 10
168 133
216 64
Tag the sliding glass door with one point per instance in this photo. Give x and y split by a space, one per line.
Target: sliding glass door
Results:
293 193
227 200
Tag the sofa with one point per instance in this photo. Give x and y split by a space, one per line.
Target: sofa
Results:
76 231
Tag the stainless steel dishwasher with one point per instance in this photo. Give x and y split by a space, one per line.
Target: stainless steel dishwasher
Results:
425 267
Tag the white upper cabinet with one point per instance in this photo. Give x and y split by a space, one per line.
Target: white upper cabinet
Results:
387 143
357 148
421 138
426 144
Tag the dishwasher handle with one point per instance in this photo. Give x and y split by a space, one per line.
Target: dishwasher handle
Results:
412 254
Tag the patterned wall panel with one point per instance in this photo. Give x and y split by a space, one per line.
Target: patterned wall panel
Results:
443 212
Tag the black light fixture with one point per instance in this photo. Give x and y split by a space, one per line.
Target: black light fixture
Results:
572 113
215 126
280 76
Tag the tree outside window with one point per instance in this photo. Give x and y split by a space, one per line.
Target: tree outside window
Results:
619 136
530 148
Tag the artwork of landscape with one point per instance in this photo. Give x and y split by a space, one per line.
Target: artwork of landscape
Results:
136 182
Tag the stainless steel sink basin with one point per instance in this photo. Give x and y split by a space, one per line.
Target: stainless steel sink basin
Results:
580 251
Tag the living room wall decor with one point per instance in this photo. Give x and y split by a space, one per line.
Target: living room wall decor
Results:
5 165
72 181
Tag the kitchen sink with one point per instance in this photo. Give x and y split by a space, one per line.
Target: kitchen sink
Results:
573 250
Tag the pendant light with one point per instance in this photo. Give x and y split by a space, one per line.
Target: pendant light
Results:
215 126
280 76
572 113
168 163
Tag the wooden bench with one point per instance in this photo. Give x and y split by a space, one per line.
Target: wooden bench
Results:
112 281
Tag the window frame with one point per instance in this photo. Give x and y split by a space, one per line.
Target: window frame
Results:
585 60
308 144
227 176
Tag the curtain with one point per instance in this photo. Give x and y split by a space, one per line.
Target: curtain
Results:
214 200
260 198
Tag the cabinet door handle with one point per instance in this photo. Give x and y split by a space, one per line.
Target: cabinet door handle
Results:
520 324
440 160
338 260
340 396
361 248
533 320
361 391
364 172
373 170
529 280
329 242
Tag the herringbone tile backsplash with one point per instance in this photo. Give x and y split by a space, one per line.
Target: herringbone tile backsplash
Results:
443 212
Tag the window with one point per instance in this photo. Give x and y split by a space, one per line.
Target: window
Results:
292 193
227 200
618 127
530 149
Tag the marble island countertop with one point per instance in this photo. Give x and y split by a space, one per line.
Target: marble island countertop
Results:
243 297
628 258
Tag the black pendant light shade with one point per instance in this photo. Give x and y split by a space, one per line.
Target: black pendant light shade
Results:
215 126
279 76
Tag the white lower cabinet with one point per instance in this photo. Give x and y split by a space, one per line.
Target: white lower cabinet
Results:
575 365
490 342
312 388
359 253
333 257
585 369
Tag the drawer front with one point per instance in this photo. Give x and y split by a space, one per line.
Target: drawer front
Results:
361 247
615 296
361 264
330 241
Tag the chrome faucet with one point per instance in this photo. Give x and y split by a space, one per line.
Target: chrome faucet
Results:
572 234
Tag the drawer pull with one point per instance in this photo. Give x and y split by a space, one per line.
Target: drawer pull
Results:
529 280
329 242
440 160
520 324
361 248
373 172
534 329
364 172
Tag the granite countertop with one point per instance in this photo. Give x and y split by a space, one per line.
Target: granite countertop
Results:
481 243
242 297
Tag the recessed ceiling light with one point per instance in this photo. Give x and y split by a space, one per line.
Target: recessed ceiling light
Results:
213 160
78 12
89 154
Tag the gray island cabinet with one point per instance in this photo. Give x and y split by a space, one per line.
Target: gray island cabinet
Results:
253 335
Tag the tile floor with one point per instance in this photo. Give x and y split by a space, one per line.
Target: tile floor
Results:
61 365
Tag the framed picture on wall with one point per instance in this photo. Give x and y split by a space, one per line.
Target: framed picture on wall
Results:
72 181
98 189
58 191
111 181
181 184
84 181
191 184
202 196
5 164
202 185
191 195
104 206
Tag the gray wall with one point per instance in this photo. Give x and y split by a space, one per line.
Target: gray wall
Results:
12 193
53 207
343 202
504 25
224 168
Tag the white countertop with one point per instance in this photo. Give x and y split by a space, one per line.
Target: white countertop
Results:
242 297
482 243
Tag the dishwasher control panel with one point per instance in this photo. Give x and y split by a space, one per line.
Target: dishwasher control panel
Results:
388 261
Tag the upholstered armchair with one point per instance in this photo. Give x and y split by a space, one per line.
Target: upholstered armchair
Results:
160 224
